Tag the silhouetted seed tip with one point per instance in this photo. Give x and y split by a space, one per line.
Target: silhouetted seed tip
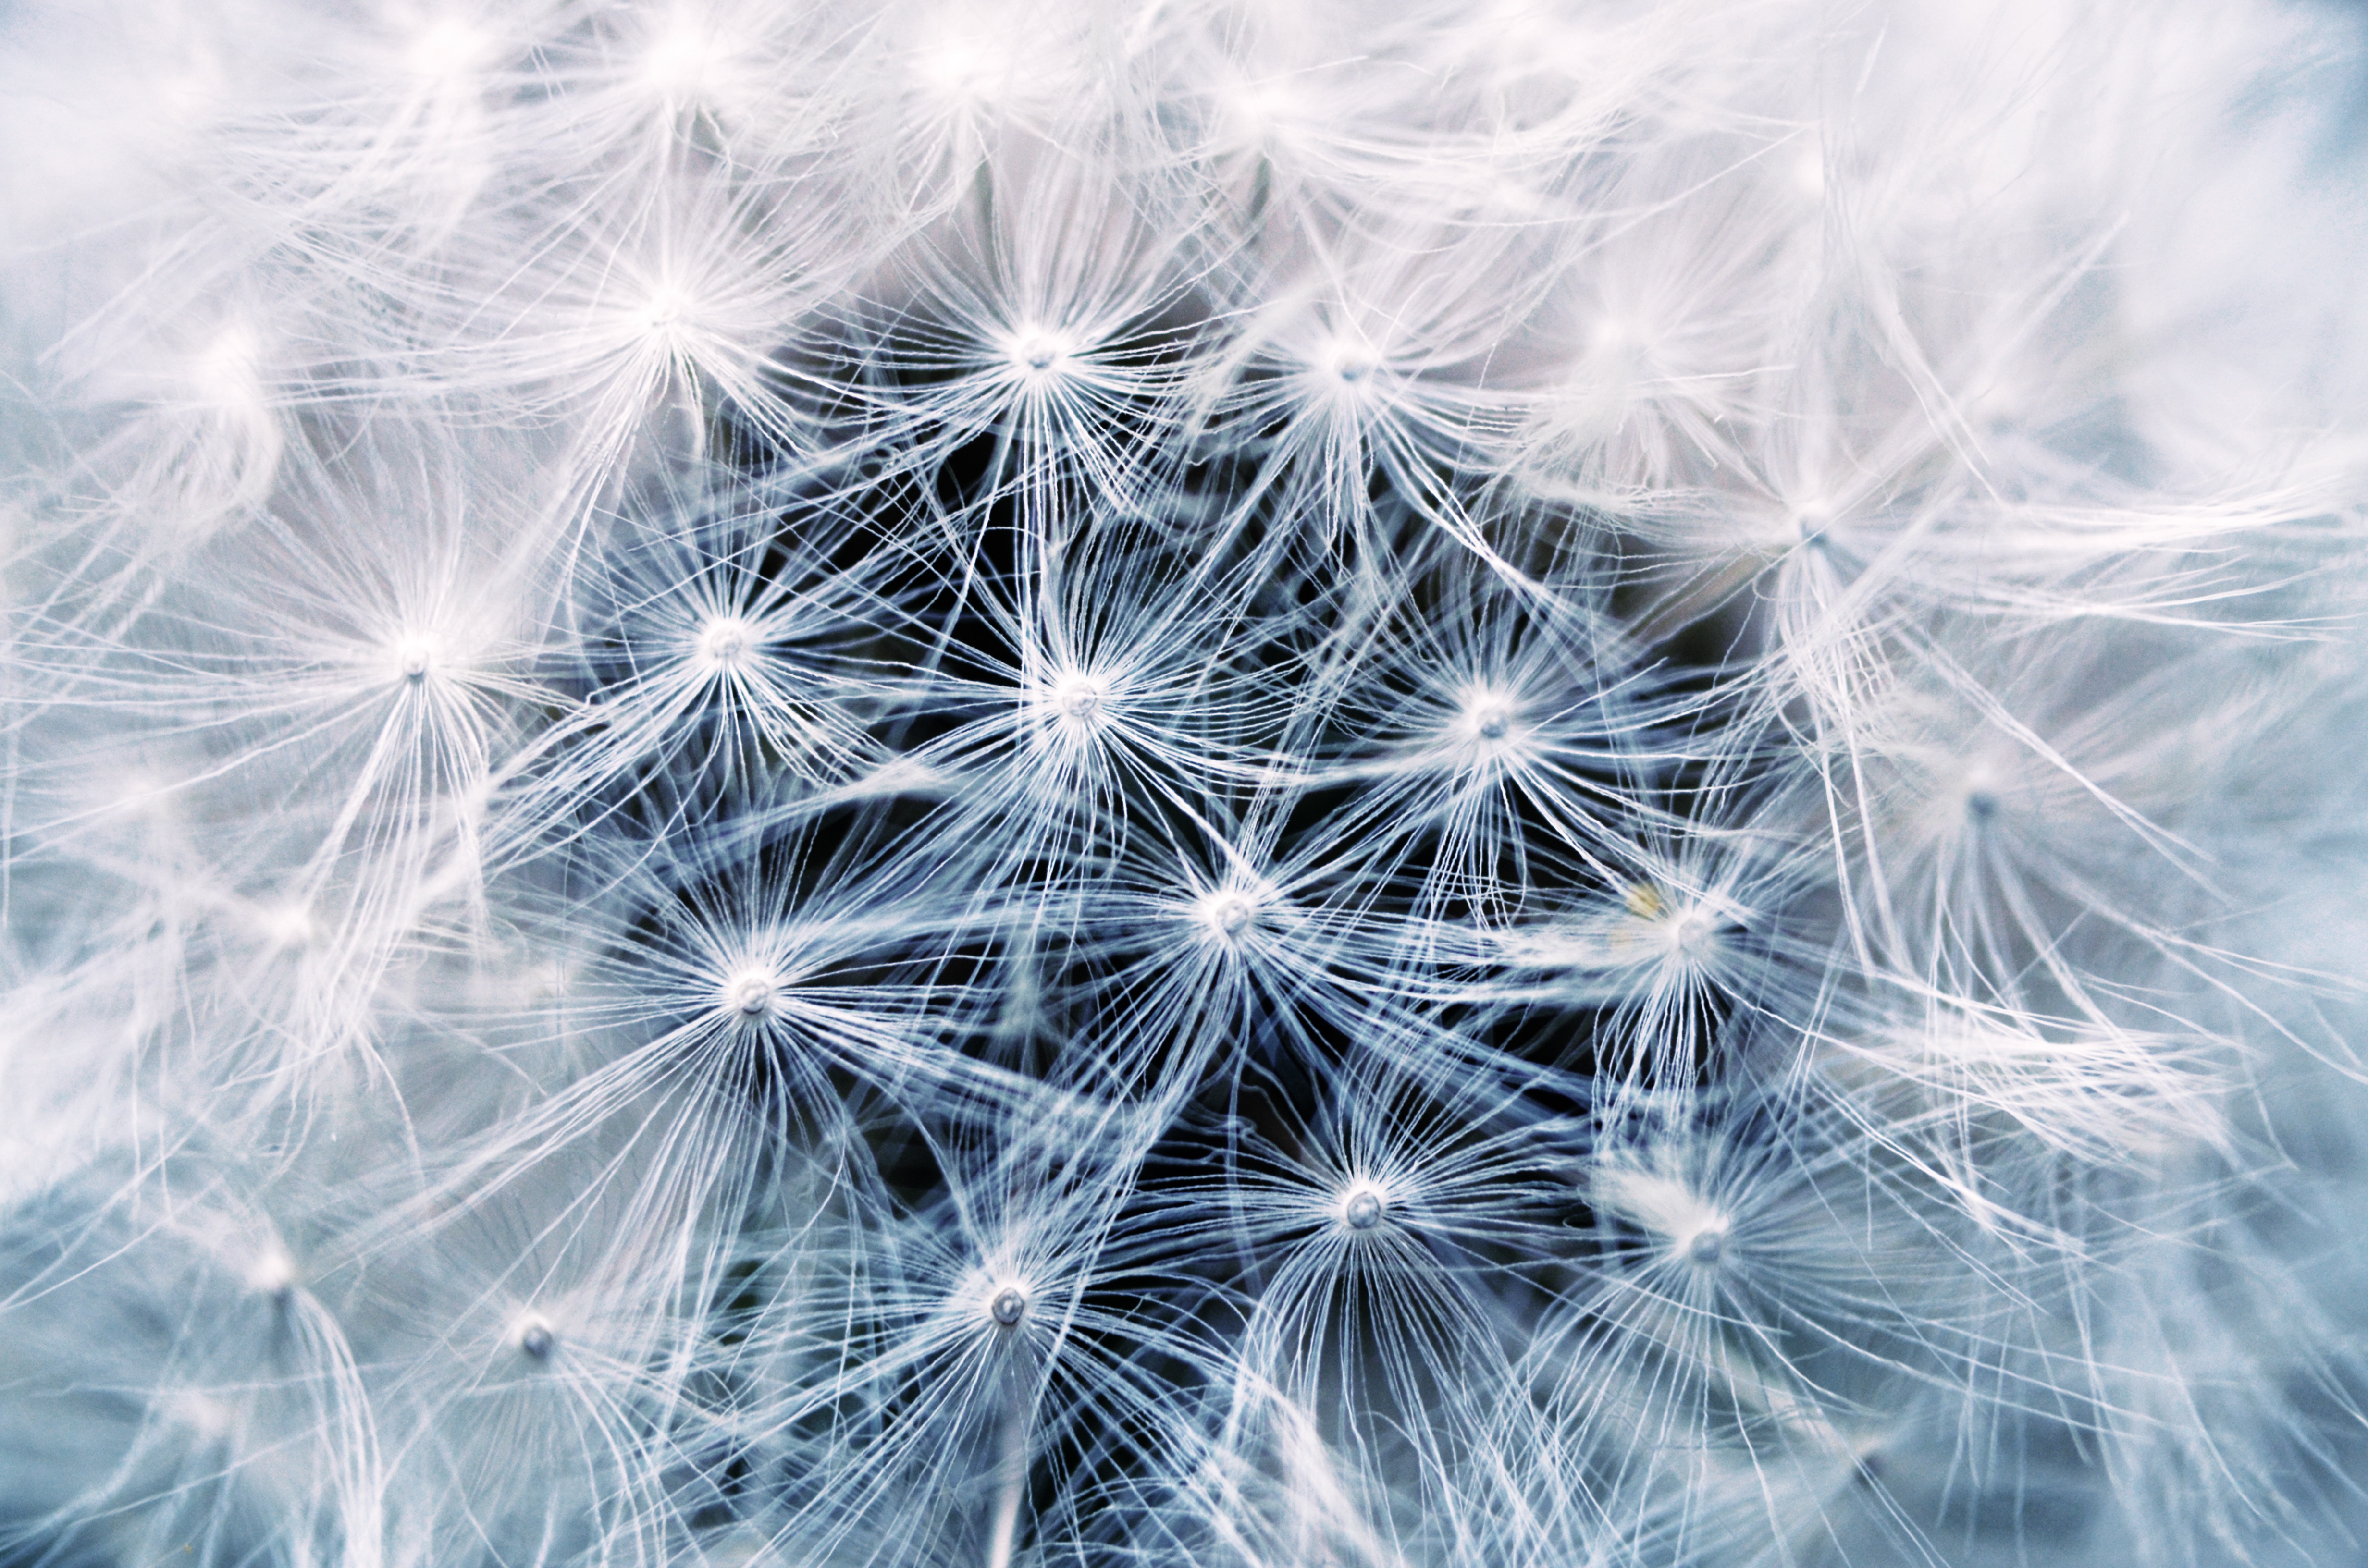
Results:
1981 805
1364 1209
536 1342
1011 1305
1707 1247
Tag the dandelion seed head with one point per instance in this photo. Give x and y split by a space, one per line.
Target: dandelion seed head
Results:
1498 195
1959 789
190 96
1618 340
136 794
980 61
1252 629
955 68
1265 109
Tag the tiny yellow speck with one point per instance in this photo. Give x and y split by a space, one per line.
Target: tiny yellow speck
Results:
1644 902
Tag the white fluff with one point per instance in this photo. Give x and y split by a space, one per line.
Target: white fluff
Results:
1182 784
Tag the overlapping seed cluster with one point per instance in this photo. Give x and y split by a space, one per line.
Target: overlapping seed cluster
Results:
1179 784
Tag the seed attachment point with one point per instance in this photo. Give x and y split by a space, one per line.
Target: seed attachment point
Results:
1364 1209
752 992
413 657
536 1339
1228 914
1038 352
1487 718
1706 1246
1078 701
725 642
1810 521
1351 362
1009 1306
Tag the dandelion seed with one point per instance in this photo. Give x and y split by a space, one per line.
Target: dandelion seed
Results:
1079 701
661 317
535 1337
1487 718
273 1274
1351 362
288 926
1227 914
725 642
684 56
1809 171
415 658
227 376
752 992
1811 521
1282 784
450 53
1039 352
